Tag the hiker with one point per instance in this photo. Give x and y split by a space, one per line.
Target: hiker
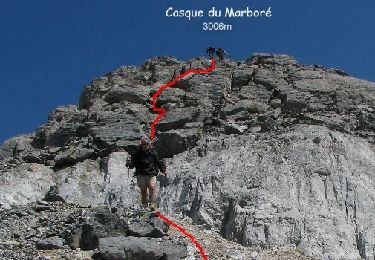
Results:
183 70
147 164
221 53
211 52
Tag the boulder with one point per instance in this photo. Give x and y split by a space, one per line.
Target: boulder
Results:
177 118
53 195
173 142
272 59
50 243
101 223
73 155
15 146
24 183
139 248
133 94
147 227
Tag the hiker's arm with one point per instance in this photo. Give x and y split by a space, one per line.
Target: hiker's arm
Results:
130 162
160 163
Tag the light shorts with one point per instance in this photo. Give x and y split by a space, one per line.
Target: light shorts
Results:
144 181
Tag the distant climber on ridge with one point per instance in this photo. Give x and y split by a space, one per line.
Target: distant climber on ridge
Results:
221 53
182 70
147 164
211 52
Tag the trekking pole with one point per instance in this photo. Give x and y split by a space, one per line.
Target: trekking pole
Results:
127 166
131 184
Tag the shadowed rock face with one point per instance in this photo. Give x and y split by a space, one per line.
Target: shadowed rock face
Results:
267 151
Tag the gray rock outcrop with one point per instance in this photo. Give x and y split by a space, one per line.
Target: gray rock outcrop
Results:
309 186
102 232
24 183
133 248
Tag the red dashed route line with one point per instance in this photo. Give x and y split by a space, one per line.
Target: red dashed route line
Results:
162 111
183 231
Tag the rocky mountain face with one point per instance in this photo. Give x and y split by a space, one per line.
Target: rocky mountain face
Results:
101 233
266 152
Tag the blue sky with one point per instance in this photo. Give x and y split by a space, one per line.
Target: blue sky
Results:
50 49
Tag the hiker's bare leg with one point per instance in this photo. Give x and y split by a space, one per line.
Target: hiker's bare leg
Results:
144 196
153 190
142 184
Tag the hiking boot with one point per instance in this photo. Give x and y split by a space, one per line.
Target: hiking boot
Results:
153 206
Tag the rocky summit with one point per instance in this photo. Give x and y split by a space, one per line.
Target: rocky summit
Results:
266 159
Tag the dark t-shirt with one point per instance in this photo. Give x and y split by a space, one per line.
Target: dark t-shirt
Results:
147 162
